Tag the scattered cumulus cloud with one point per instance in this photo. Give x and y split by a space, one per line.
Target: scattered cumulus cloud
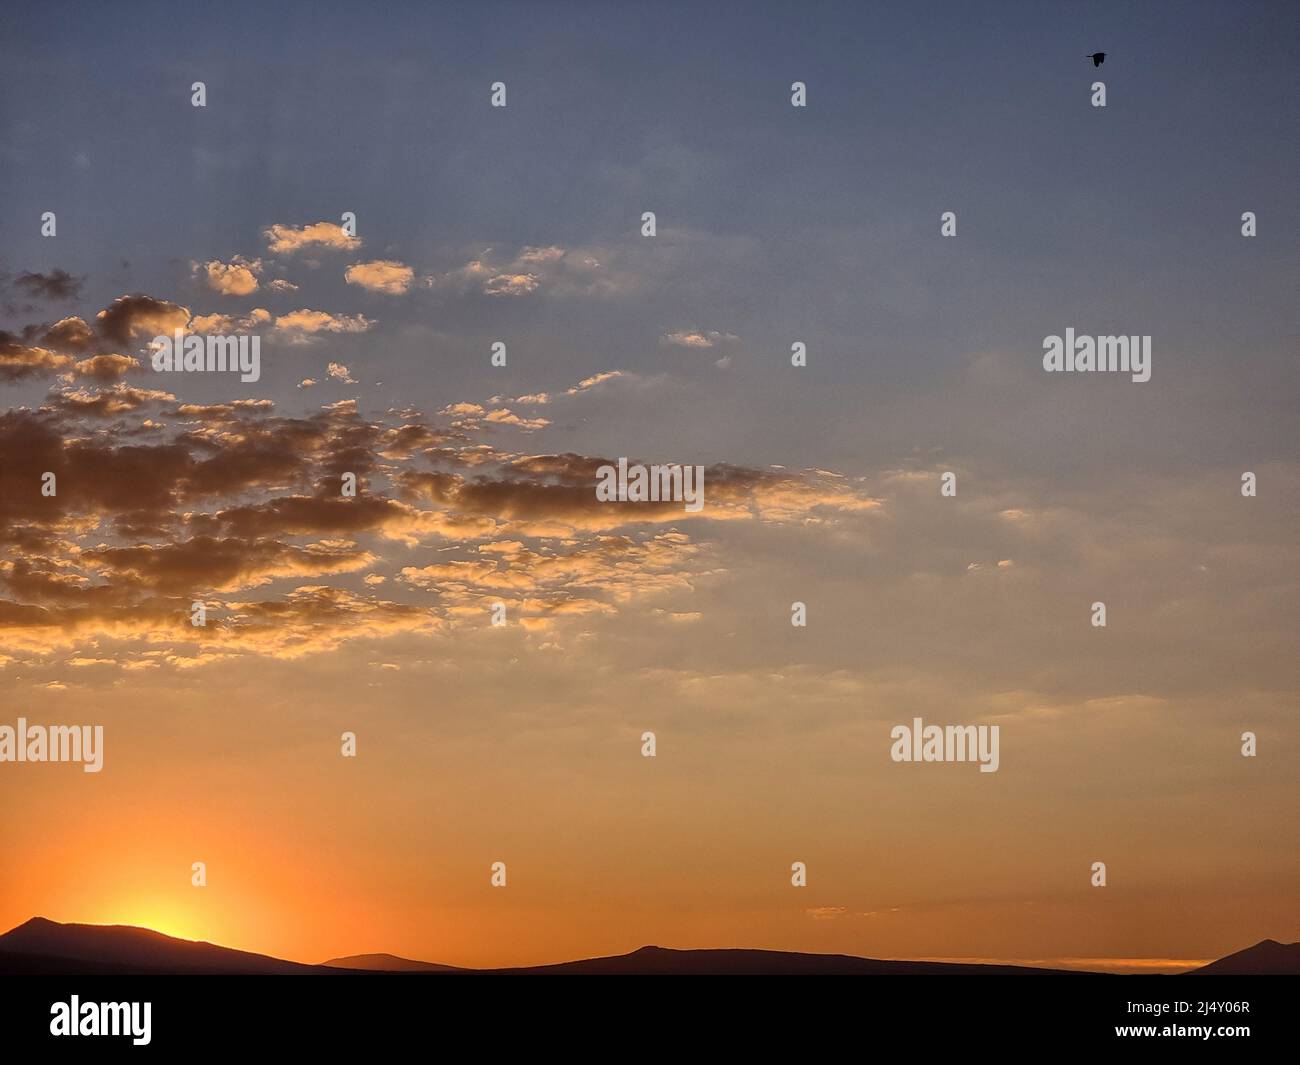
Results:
382 275
286 239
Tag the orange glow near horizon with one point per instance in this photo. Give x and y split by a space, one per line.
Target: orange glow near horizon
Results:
312 878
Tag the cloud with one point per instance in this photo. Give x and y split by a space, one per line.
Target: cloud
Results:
504 416
541 399
557 492
311 619
550 254
221 412
227 324
542 503
697 339
69 335
302 515
591 577
209 564
128 317
302 324
381 275
215 499
106 368
46 350
561 271
511 284
285 240
19 361
340 373
678 617
473 416
112 475
236 278
106 402
588 383
56 285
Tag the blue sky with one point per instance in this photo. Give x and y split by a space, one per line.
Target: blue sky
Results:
820 224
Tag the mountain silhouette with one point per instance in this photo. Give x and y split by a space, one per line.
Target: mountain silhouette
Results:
1268 957
41 946
661 961
389 963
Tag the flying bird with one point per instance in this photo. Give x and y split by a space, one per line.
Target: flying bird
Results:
1097 58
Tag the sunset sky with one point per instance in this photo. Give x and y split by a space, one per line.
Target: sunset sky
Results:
776 225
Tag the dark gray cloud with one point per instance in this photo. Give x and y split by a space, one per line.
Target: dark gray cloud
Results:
54 286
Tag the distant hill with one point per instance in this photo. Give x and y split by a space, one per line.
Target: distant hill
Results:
42 946
389 963
666 962
648 961
1268 957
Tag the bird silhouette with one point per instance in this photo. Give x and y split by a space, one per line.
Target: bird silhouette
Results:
1097 58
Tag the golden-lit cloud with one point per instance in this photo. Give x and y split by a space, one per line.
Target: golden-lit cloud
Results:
541 399
129 317
694 338
382 275
106 368
227 324
69 335
19 361
304 323
205 563
167 500
511 284
106 402
588 383
286 239
239 277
